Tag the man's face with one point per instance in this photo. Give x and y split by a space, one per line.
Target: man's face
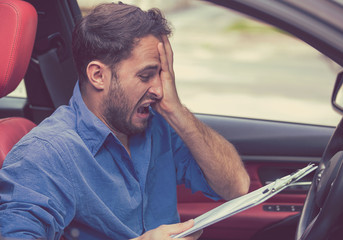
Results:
138 85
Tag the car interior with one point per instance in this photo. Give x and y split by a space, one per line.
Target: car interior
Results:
37 48
20 29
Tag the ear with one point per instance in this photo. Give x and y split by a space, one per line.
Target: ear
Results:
98 74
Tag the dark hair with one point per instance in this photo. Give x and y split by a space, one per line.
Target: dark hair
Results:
109 34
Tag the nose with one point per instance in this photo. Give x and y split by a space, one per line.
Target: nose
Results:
156 89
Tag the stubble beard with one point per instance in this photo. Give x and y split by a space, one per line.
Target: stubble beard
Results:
117 113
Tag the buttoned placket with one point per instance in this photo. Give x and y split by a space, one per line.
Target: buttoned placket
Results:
141 156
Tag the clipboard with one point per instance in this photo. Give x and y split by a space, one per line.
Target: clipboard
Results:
244 202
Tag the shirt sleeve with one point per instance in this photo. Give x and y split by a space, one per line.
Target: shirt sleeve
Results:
36 195
188 171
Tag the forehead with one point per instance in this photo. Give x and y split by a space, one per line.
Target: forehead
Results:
144 54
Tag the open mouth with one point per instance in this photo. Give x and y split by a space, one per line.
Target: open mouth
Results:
143 110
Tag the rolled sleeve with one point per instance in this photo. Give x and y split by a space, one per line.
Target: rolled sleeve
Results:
188 171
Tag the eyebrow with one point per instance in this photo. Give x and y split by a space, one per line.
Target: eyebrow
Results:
150 67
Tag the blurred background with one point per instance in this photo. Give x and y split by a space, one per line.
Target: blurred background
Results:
228 64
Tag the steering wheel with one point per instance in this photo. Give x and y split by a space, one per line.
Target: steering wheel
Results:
323 205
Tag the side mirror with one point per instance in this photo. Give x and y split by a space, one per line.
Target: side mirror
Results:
337 95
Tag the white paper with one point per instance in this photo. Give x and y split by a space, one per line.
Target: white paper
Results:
247 201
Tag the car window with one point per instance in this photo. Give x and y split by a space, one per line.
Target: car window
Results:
20 91
228 64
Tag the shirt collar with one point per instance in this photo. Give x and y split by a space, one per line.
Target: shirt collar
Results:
90 128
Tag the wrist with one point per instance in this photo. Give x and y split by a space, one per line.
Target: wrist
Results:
180 119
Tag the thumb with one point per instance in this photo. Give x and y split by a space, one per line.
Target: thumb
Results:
181 227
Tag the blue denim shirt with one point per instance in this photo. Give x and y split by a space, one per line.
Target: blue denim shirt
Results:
71 172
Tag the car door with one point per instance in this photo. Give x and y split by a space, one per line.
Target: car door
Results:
270 150
271 145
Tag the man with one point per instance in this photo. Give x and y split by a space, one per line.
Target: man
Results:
107 165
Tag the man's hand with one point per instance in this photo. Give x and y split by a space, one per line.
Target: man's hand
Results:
170 103
164 232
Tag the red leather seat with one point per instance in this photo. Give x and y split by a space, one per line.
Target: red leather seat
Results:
18 25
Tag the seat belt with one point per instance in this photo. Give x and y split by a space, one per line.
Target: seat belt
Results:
59 77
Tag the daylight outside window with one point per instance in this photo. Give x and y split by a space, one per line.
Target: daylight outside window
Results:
240 67
227 64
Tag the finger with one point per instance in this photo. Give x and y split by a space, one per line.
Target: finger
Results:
169 51
163 57
180 227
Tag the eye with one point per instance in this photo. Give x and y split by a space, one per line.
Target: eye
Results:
144 77
148 73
